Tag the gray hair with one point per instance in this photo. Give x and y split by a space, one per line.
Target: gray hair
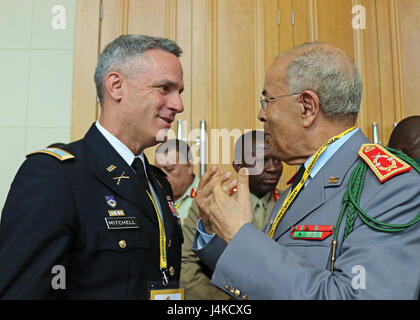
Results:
123 50
331 74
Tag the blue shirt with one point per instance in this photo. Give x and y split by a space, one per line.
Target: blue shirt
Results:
203 238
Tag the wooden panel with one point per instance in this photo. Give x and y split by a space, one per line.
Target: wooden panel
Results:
234 71
305 27
85 56
407 17
271 30
285 28
201 68
389 99
147 17
334 23
114 21
367 56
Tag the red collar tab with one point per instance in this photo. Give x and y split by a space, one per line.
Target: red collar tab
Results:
193 193
276 194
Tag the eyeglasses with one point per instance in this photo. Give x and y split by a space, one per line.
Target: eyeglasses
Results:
265 101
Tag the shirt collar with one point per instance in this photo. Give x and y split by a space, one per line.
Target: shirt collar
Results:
120 147
328 153
187 193
264 199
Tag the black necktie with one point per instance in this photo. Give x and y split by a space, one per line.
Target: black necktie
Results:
138 167
298 177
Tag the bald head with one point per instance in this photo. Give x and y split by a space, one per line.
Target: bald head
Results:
329 72
406 137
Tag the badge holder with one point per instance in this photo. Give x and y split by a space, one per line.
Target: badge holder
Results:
165 290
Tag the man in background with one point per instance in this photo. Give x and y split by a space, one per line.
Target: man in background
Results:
406 137
195 276
174 157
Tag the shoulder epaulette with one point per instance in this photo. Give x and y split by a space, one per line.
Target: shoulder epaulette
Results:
383 163
60 154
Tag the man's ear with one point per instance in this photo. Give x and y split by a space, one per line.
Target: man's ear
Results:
114 85
310 107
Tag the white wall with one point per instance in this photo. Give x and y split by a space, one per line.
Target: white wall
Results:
36 74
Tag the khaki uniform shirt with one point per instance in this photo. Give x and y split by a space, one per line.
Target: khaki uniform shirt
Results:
195 278
183 204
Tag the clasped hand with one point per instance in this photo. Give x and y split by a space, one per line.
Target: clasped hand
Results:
219 211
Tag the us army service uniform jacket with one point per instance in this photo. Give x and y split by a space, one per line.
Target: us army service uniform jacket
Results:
55 215
369 264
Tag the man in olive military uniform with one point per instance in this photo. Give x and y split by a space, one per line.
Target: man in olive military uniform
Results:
174 158
195 276
96 209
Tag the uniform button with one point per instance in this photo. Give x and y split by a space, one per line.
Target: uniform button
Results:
169 243
171 271
244 298
122 244
237 293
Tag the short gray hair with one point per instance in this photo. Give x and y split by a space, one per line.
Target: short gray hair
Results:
123 50
331 74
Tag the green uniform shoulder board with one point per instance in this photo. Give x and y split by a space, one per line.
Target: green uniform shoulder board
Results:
60 154
383 163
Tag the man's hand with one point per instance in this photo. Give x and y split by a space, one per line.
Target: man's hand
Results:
204 193
228 215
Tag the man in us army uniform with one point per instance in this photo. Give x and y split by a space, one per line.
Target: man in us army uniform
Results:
96 208
348 226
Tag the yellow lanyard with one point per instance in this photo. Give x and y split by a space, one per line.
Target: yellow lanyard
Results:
293 193
162 238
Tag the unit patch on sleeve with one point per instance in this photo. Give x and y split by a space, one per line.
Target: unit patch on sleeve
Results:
383 163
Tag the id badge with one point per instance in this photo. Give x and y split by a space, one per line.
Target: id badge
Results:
158 291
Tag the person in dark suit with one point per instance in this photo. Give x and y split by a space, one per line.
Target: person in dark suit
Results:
347 227
94 220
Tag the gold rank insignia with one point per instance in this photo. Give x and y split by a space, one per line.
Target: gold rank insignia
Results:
383 163
111 168
333 180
